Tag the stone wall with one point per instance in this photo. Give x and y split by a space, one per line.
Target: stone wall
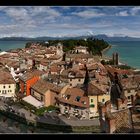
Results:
115 121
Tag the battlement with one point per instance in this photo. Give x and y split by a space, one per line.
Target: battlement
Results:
121 103
115 121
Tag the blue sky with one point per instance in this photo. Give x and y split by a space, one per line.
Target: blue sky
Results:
34 21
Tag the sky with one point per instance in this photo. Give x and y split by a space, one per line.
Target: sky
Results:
35 21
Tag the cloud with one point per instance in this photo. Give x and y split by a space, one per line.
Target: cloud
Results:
122 13
88 14
44 10
17 14
134 11
30 15
45 20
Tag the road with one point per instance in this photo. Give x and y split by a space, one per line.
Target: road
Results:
5 129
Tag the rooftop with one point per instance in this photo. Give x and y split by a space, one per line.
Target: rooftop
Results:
94 90
79 56
75 96
42 86
6 78
31 100
30 74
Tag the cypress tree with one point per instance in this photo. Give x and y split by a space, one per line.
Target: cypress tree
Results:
86 81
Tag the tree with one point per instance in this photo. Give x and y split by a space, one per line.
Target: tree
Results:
86 81
17 87
28 44
103 62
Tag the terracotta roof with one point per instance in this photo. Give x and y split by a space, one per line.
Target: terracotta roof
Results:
79 56
6 55
44 62
130 82
94 90
54 57
49 51
75 93
30 74
123 122
42 86
6 78
119 71
40 53
75 73
59 63
55 69
14 64
79 60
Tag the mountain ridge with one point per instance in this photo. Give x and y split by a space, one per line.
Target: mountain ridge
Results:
46 38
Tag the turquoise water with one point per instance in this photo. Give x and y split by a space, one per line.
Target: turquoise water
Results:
7 45
129 52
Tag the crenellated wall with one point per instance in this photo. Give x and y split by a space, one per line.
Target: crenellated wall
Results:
115 121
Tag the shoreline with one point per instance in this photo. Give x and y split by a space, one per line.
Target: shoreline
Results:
106 49
103 53
108 58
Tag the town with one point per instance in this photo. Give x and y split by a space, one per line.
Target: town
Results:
74 84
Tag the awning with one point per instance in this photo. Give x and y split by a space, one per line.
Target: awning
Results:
31 100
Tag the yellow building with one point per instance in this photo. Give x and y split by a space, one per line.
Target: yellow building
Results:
96 95
7 84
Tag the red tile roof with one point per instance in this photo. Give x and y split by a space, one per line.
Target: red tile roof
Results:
42 86
74 93
30 74
6 78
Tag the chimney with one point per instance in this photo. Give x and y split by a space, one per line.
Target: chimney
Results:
111 125
119 103
133 98
108 106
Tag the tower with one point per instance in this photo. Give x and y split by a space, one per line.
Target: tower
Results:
113 58
117 59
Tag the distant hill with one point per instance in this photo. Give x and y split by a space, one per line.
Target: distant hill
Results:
117 38
45 38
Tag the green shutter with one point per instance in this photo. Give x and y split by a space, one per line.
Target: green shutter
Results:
92 105
91 100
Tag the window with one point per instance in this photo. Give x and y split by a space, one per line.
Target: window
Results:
70 79
41 98
128 91
67 97
77 98
9 86
91 100
103 100
4 92
3 86
79 80
70 84
128 97
10 90
83 102
0 90
32 92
